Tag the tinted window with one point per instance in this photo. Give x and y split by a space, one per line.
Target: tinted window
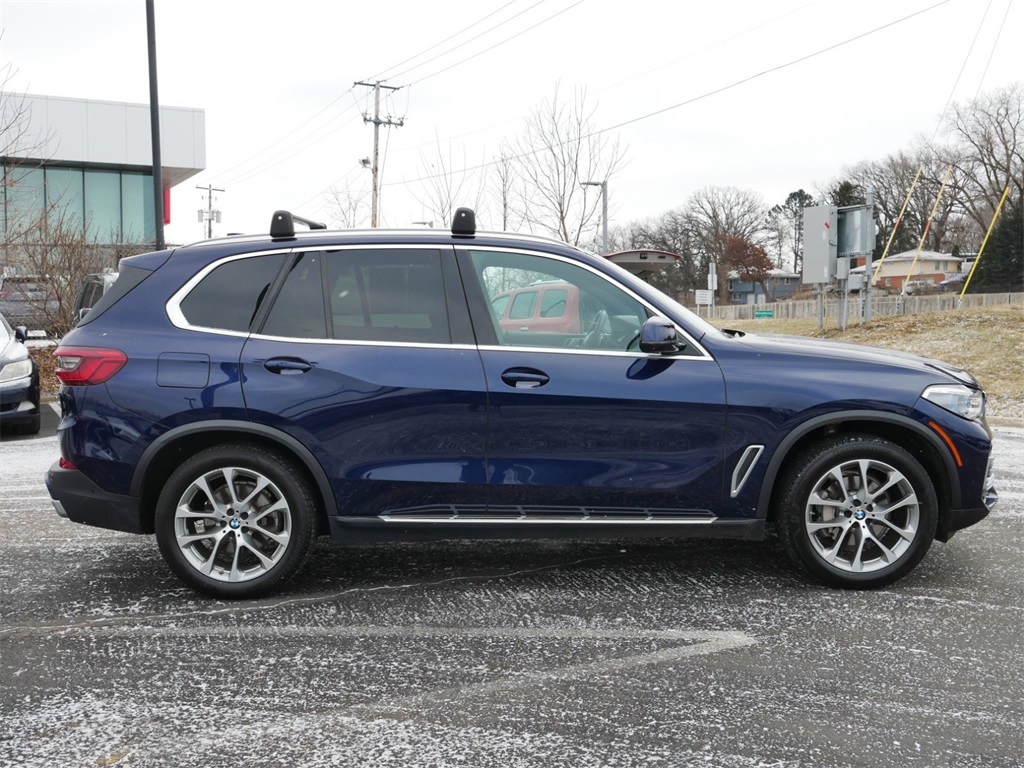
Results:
388 295
127 278
229 296
298 310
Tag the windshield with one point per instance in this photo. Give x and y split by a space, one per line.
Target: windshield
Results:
5 332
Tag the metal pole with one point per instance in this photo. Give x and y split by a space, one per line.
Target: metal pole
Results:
865 291
154 118
604 217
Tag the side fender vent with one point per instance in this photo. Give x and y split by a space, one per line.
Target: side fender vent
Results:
744 467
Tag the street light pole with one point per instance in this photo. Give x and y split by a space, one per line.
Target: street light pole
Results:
604 212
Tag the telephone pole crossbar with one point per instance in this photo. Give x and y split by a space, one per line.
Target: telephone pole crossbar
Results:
377 123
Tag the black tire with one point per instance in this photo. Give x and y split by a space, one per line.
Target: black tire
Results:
30 427
845 535
236 520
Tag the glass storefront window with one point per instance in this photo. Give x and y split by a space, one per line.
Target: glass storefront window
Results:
64 191
137 208
103 206
24 199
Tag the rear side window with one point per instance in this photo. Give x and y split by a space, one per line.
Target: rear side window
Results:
388 295
229 297
298 310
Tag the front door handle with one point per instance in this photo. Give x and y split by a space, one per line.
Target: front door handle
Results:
287 365
525 378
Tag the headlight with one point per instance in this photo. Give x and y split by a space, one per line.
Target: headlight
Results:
963 401
18 370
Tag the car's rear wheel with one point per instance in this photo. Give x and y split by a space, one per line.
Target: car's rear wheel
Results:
236 520
857 511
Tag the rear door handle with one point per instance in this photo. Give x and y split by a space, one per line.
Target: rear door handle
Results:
525 378
287 365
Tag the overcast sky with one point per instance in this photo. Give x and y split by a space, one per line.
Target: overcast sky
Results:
284 123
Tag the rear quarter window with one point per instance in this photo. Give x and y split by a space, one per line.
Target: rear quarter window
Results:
229 296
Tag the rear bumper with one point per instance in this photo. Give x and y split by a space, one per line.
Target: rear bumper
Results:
79 499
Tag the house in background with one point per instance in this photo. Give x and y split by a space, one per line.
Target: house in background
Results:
779 285
895 271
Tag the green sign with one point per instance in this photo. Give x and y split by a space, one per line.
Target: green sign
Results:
763 313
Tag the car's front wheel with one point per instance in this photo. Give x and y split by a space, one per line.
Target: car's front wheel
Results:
857 511
234 521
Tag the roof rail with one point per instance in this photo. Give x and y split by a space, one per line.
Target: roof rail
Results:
282 225
464 223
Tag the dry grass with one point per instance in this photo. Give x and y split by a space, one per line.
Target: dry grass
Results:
987 341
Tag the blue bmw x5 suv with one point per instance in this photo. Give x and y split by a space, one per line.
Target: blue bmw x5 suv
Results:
241 396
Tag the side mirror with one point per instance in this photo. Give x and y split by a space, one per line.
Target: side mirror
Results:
659 336
21 333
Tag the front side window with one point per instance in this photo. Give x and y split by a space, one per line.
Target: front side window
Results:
229 296
579 309
392 295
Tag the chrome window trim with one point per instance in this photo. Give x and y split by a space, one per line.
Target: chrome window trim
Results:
703 353
178 320
177 317
173 306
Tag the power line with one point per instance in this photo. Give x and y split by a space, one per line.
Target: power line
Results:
702 96
963 66
482 19
248 174
499 44
287 135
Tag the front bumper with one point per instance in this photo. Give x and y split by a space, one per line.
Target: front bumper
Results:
79 499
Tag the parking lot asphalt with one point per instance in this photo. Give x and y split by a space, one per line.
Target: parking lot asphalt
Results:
506 653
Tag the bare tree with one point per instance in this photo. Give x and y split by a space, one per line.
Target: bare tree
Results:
716 212
448 185
348 208
558 150
19 143
989 134
57 250
503 191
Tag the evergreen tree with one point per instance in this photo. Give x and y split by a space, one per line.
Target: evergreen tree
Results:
1002 264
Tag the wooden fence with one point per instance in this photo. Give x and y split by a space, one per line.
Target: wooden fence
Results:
881 306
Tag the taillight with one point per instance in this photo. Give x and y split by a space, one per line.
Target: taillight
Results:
65 464
82 366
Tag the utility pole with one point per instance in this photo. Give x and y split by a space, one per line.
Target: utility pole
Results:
604 211
377 123
154 122
209 214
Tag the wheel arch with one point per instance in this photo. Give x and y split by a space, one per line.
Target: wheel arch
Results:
167 452
913 436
